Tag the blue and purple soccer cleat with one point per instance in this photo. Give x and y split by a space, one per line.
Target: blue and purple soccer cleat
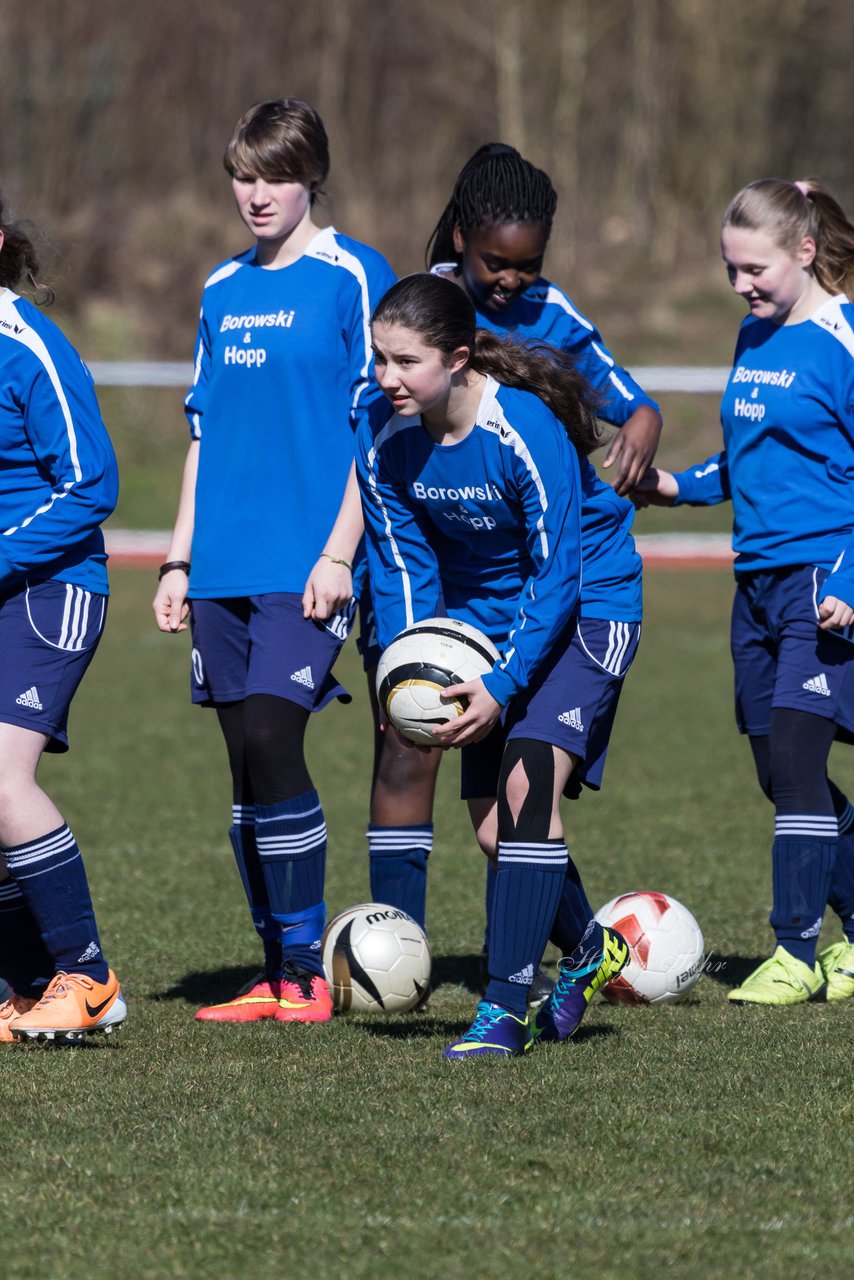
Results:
495 1031
576 986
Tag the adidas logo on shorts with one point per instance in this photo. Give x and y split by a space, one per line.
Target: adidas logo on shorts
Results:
30 698
818 684
304 677
573 719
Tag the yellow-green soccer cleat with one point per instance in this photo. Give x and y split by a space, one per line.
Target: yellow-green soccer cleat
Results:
781 980
837 966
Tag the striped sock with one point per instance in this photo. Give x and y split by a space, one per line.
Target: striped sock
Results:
242 837
841 896
527 891
803 856
291 839
51 876
398 861
25 962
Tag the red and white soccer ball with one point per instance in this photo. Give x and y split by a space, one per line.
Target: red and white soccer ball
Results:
666 946
376 960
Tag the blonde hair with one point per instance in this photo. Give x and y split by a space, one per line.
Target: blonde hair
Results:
788 211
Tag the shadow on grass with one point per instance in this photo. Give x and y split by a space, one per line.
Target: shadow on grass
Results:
457 971
209 986
730 971
409 1026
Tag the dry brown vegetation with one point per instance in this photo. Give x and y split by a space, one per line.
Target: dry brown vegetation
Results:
647 114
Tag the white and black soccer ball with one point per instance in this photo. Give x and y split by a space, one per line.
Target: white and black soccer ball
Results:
666 946
376 960
420 664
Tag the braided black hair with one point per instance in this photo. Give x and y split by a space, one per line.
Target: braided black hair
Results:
495 187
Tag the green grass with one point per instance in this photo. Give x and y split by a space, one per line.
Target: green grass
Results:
696 1140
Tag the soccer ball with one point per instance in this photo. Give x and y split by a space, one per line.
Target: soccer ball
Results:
666 946
376 960
423 661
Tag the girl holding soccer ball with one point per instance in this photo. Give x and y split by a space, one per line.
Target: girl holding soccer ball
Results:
473 481
268 526
491 239
787 466
58 482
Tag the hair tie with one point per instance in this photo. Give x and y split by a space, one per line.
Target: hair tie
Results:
802 187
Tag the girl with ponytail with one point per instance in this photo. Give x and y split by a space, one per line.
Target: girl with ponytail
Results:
473 483
787 466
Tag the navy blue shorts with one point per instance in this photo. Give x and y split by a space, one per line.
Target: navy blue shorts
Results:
263 644
781 657
571 704
49 632
367 638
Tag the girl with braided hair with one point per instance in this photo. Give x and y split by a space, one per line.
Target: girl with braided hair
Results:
492 238
787 466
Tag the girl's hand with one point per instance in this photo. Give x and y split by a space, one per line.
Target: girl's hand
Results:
329 589
170 603
634 445
476 721
656 489
834 614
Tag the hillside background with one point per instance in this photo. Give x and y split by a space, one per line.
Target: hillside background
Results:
648 115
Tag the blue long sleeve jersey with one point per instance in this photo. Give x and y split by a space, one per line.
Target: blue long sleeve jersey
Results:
491 524
282 376
788 459
612 583
544 313
58 474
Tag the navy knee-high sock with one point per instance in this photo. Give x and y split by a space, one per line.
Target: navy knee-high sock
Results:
841 896
803 856
489 900
398 867
242 837
50 874
291 839
574 913
25 962
527 891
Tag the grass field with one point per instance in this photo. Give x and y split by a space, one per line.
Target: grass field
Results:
696 1140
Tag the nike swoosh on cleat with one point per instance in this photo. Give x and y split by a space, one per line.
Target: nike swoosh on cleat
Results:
93 1011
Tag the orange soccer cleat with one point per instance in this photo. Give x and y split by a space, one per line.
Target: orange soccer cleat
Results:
305 997
257 1000
72 1007
11 1008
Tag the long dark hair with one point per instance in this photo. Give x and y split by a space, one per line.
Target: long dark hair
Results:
442 314
788 211
18 260
496 186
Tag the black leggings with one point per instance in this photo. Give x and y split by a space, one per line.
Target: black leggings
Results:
265 737
791 763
